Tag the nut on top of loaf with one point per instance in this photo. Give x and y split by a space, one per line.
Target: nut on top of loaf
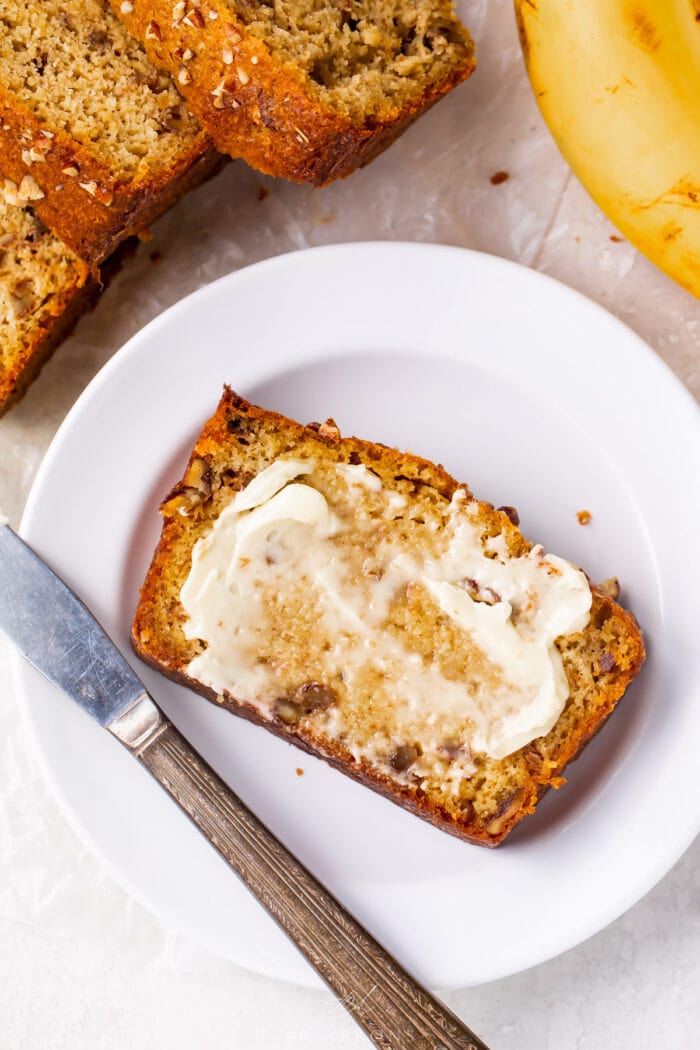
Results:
303 90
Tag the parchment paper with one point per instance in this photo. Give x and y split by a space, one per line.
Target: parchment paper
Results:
433 185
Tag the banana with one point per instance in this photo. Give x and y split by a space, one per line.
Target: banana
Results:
618 83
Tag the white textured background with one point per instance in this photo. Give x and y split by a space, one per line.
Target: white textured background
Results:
84 968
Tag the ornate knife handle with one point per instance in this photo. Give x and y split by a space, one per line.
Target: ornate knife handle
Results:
395 1011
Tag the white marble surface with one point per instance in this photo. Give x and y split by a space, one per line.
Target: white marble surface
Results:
81 965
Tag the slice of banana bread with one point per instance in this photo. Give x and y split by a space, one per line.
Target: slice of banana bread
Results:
301 89
92 135
44 288
359 602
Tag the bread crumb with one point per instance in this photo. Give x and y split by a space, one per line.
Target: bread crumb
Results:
584 517
615 239
300 772
499 177
263 192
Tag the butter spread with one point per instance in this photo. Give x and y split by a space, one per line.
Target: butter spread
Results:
280 541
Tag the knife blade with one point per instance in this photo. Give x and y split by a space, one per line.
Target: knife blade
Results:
57 633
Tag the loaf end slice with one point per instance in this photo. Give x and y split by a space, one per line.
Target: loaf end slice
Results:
44 288
92 135
300 90
369 676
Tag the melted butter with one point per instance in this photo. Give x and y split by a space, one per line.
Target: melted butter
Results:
279 543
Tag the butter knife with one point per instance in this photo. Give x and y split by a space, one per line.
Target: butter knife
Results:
56 632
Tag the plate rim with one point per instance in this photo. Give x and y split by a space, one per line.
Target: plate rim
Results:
121 357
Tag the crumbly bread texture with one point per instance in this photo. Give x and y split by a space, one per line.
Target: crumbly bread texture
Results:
600 661
44 288
92 135
305 89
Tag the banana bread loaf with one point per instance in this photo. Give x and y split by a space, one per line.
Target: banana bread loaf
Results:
44 288
92 135
362 604
305 90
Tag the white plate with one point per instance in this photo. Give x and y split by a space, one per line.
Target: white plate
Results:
534 396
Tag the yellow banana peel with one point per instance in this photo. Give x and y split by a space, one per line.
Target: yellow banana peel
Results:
618 83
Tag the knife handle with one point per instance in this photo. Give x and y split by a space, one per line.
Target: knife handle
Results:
394 1010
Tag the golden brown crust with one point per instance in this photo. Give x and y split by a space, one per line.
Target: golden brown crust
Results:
58 322
92 221
540 764
53 329
258 109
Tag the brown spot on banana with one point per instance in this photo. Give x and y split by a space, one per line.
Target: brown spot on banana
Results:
671 232
643 28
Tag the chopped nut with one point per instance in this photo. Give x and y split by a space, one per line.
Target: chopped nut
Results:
511 513
242 75
231 33
219 102
227 56
607 662
253 60
183 76
194 19
314 696
301 136
29 190
153 31
127 8
179 10
43 143
100 193
329 430
199 477
71 170
533 758
507 809
403 757
9 189
468 811
213 15
610 587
